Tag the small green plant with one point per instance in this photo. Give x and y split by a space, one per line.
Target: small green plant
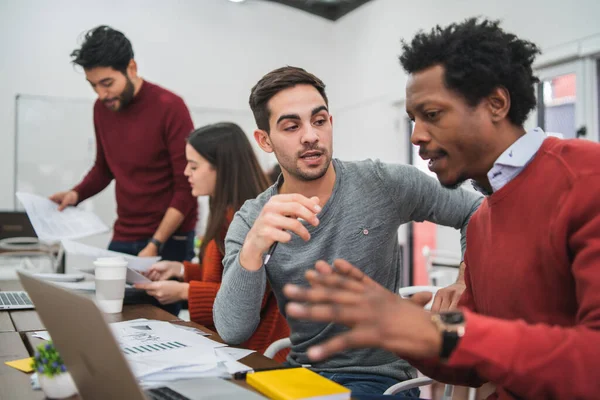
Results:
47 361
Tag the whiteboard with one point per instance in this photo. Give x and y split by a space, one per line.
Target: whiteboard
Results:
56 147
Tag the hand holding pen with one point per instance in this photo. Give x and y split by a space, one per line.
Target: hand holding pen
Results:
276 223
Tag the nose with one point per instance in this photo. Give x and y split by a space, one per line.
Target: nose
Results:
419 134
311 135
101 92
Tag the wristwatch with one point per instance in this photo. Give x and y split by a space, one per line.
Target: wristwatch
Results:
159 245
452 328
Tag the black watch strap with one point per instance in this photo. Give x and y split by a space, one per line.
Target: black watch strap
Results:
451 325
159 245
449 342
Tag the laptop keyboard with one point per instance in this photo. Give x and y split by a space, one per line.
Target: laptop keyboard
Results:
164 393
14 299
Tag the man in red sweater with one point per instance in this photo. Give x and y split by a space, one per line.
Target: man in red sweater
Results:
141 131
529 319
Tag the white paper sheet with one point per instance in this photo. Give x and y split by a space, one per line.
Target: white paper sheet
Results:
191 329
158 351
233 352
52 225
154 346
44 335
133 262
135 277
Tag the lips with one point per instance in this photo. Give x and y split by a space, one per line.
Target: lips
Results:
311 155
436 159
110 102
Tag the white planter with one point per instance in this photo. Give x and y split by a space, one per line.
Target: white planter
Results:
58 386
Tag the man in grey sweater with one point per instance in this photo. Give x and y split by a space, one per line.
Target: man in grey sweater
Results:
322 209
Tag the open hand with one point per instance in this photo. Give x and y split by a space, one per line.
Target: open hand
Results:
376 316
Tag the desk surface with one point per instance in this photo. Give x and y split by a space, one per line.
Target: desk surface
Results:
16 342
6 324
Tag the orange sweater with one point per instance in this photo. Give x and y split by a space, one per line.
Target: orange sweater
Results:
205 280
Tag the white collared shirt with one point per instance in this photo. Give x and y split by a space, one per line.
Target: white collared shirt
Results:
514 159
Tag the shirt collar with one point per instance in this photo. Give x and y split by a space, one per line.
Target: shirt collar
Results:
522 151
517 156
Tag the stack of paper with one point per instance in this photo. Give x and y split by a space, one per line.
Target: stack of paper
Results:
159 352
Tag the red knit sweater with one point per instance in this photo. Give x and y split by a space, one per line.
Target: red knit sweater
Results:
532 301
143 149
205 280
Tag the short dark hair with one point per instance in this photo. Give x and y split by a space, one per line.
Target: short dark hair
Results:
273 83
478 56
104 46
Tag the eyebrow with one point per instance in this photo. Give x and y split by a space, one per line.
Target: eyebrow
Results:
318 109
315 110
103 81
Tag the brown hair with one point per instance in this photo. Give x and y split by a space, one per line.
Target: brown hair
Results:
273 83
239 176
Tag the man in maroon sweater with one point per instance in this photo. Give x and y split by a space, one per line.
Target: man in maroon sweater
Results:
529 319
141 131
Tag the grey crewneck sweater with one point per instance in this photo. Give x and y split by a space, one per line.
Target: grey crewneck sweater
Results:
359 223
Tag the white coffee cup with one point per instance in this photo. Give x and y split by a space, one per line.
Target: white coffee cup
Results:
110 283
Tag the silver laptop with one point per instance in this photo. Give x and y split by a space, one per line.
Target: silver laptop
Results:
93 357
18 300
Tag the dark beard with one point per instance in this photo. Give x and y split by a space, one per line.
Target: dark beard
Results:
126 96
306 178
455 185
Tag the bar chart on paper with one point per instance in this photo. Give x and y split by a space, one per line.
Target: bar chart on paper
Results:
152 348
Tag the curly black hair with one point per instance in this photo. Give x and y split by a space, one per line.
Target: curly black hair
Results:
478 56
104 46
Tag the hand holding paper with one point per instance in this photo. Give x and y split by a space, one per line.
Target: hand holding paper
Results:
50 224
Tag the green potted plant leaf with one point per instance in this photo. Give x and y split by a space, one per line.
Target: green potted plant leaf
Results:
53 377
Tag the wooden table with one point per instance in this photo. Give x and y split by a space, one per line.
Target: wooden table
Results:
17 341
6 324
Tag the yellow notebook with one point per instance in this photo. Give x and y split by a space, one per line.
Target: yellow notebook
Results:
296 383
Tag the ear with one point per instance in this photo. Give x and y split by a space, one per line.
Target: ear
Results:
263 140
499 103
331 120
132 68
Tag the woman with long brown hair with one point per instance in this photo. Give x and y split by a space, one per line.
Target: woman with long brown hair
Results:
222 165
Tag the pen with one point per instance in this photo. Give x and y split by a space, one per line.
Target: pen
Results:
242 375
270 253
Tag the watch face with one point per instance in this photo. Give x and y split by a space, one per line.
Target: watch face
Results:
452 317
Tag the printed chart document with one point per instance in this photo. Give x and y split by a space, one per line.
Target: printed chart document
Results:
157 347
53 225
133 262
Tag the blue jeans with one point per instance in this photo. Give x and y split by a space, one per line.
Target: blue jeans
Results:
179 247
369 386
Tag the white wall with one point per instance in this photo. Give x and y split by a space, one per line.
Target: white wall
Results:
370 80
211 52
369 76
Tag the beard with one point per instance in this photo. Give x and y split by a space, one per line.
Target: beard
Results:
291 165
313 174
126 96
454 184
